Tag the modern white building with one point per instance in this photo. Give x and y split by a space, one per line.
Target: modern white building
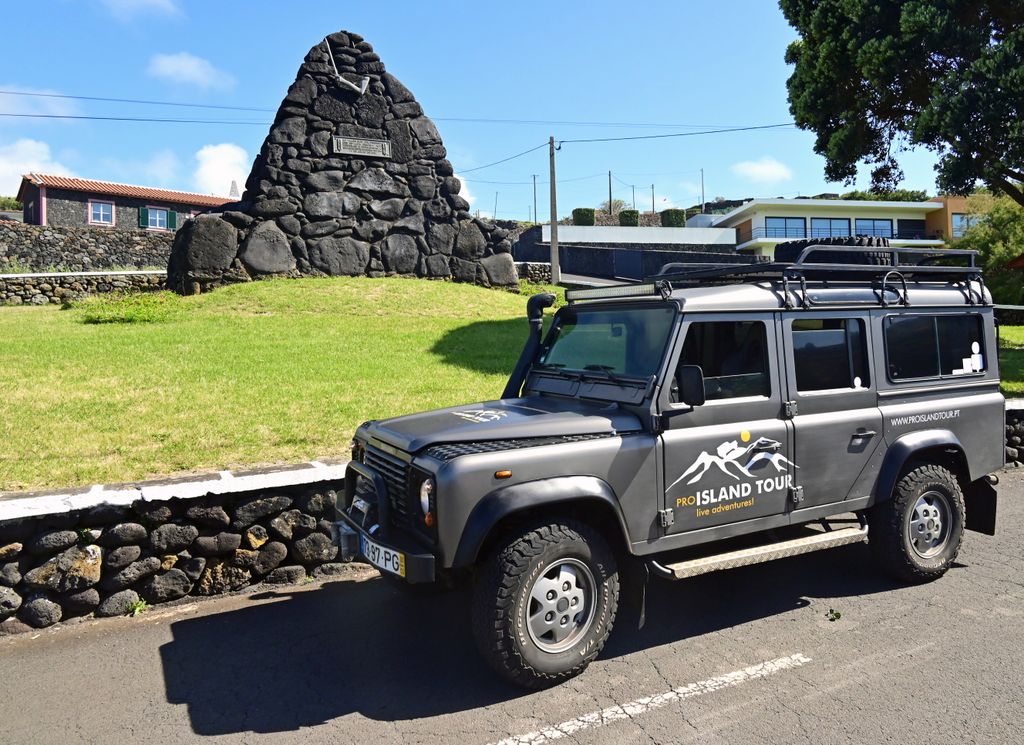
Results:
761 224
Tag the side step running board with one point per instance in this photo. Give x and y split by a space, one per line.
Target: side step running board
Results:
761 554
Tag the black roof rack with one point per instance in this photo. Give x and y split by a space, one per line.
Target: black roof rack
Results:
889 260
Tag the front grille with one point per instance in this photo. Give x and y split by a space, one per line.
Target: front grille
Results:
395 472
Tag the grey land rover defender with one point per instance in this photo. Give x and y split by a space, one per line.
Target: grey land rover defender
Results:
704 419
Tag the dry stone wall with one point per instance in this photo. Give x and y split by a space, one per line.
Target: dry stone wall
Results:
41 289
43 248
352 179
104 560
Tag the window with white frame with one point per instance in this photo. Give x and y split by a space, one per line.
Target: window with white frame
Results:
157 218
101 213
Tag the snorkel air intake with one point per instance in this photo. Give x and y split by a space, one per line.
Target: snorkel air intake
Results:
535 314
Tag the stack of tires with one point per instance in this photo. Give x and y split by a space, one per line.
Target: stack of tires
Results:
789 251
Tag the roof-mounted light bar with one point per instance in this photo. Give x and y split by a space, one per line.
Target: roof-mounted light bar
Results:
616 291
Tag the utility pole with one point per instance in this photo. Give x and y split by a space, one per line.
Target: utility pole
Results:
653 211
535 218
702 190
634 196
609 192
494 214
556 273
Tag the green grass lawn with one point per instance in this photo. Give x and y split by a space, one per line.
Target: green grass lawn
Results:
259 373
1011 360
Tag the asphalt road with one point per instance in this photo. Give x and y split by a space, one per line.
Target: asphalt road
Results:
358 662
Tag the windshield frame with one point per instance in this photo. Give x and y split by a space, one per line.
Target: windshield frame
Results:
628 383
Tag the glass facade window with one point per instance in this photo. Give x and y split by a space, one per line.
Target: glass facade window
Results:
785 227
962 222
872 227
829 227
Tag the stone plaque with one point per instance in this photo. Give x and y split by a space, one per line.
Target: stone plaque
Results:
362 146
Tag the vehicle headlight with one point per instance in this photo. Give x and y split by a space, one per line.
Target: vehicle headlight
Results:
426 492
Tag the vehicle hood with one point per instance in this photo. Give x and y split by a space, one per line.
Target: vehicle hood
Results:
501 420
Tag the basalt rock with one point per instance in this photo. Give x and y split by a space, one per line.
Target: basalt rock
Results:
349 160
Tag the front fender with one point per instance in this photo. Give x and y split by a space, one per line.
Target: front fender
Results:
507 500
903 449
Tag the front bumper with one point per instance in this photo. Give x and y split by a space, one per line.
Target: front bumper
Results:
419 567
346 532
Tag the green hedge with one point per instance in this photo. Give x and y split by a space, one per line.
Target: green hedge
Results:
629 218
673 218
583 216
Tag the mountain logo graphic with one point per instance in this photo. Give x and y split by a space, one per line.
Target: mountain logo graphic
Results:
736 461
479 416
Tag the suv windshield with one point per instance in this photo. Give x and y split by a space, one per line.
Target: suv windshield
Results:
616 341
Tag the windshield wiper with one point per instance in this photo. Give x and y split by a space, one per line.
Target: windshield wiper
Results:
606 370
558 369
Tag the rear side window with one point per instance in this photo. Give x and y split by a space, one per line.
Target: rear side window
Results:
933 346
830 354
733 356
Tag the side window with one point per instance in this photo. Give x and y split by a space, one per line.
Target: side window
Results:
733 356
933 346
830 354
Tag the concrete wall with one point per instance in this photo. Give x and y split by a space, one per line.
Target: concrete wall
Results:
618 235
39 248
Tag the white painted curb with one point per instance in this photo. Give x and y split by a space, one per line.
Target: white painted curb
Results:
15 505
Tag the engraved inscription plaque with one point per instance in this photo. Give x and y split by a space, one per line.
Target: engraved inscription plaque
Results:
362 146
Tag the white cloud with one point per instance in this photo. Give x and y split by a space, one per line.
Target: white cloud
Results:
126 10
464 192
187 69
219 165
35 104
23 156
766 170
160 169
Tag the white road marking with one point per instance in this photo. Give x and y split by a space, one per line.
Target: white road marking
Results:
643 705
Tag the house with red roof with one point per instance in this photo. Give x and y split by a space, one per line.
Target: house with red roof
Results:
75 202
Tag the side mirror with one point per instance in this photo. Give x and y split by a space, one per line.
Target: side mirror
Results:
691 385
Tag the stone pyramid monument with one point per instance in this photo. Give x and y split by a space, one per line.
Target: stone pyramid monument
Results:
351 180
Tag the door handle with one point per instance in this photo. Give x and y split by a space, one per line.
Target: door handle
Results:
864 435
768 447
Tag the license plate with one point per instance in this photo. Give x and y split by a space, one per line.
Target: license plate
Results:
383 558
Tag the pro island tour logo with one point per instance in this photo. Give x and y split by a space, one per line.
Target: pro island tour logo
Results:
749 465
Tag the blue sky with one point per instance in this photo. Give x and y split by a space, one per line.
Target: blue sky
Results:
645 66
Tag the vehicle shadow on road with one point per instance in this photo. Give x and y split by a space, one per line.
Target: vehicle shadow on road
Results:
368 648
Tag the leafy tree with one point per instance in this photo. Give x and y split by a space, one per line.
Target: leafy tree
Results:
998 237
872 78
896 195
617 206
9 203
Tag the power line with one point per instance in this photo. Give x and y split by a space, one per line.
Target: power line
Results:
504 160
472 120
133 101
678 134
525 183
133 119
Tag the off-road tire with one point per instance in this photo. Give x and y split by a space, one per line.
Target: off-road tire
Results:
501 598
888 525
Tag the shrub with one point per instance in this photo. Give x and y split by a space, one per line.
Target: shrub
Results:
10 204
629 218
673 218
583 216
